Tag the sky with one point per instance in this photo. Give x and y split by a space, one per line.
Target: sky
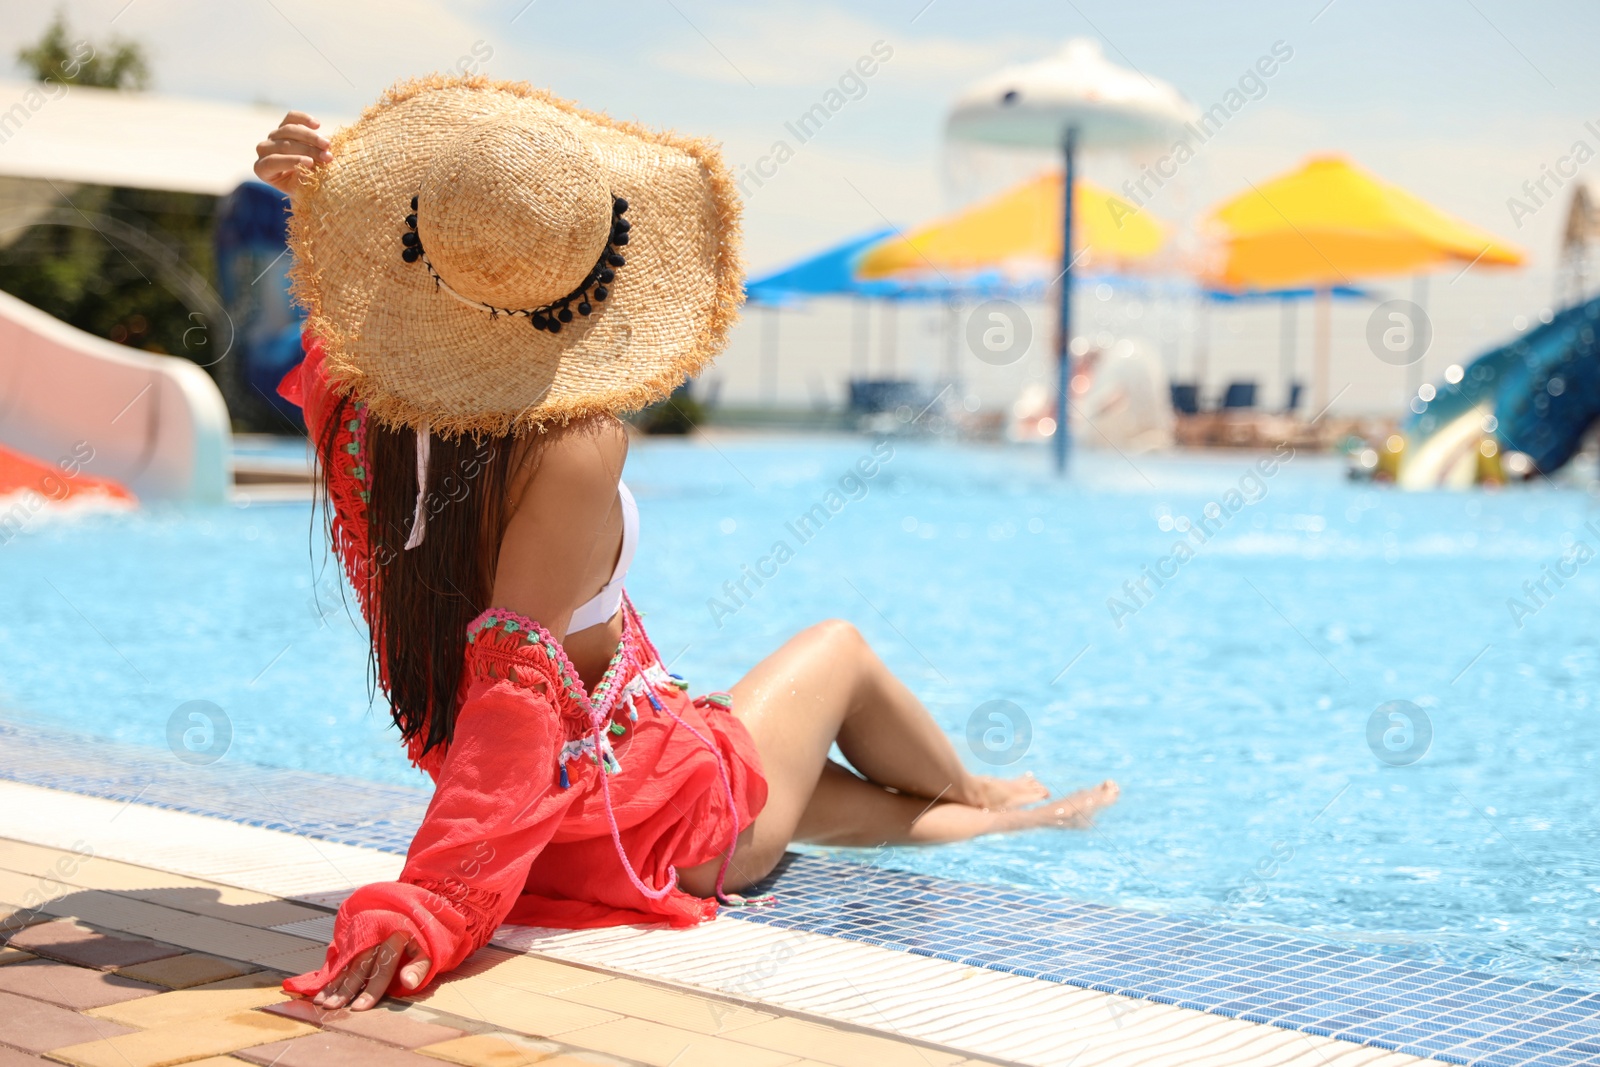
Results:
1460 101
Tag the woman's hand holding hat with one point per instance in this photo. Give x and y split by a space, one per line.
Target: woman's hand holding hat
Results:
295 146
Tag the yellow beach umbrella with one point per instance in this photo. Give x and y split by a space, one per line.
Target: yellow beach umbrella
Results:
1332 223
1022 227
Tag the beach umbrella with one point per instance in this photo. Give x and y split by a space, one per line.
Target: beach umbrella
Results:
834 272
1074 99
1020 231
1330 223
831 272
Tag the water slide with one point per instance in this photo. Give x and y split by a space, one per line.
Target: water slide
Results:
154 424
1519 409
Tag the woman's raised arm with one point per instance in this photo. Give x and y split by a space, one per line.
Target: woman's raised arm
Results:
291 150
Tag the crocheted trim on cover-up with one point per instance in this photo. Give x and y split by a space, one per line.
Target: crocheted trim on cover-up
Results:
475 906
349 492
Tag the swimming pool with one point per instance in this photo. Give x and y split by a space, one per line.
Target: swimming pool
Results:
1235 703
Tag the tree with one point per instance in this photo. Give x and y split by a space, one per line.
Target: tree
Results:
117 64
134 266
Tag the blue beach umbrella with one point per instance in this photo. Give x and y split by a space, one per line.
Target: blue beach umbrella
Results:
835 271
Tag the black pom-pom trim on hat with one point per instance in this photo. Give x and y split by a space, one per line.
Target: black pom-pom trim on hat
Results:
550 316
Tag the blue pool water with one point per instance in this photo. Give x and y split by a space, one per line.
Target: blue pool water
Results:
1232 703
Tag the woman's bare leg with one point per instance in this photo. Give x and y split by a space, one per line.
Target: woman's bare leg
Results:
850 811
828 673
824 685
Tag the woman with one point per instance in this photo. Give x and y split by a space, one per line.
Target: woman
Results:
492 275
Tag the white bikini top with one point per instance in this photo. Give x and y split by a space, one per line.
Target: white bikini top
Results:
603 605
592 612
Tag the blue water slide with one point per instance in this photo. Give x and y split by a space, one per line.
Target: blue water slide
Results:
1536 395
1550 387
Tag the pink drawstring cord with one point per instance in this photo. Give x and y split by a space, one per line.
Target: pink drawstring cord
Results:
731 900
616 834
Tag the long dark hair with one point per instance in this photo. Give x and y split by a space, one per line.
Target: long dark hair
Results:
418 602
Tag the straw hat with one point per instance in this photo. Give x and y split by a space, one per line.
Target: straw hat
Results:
482 257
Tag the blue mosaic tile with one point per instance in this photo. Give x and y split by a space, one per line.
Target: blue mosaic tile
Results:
1444 1012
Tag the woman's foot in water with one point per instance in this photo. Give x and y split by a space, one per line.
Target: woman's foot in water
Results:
1002 794
953 821
1075 810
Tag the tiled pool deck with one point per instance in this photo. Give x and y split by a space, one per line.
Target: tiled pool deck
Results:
126 966
1417 1008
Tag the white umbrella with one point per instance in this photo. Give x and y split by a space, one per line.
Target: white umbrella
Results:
1075 98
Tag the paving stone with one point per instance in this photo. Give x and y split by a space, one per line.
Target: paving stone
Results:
843 1048
10 1057
483 1000
78 988
390 1026
71 942
13 918
332 1050
664 1046
14 955
299 961
190 969
526 972
642 1000
489 1050
209 1001
198 896
183 1042
39 1027
231 905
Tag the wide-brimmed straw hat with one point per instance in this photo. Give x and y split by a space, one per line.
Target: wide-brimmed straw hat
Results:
483 257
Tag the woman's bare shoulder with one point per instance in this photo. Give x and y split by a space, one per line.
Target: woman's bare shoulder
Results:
572 464
560 535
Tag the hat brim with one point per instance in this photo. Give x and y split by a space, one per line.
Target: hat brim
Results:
418 357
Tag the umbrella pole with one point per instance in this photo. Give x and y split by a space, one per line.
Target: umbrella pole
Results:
1286 350
769 358
1419 297
1063 434
858 339
1324 300
952 330
889 356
